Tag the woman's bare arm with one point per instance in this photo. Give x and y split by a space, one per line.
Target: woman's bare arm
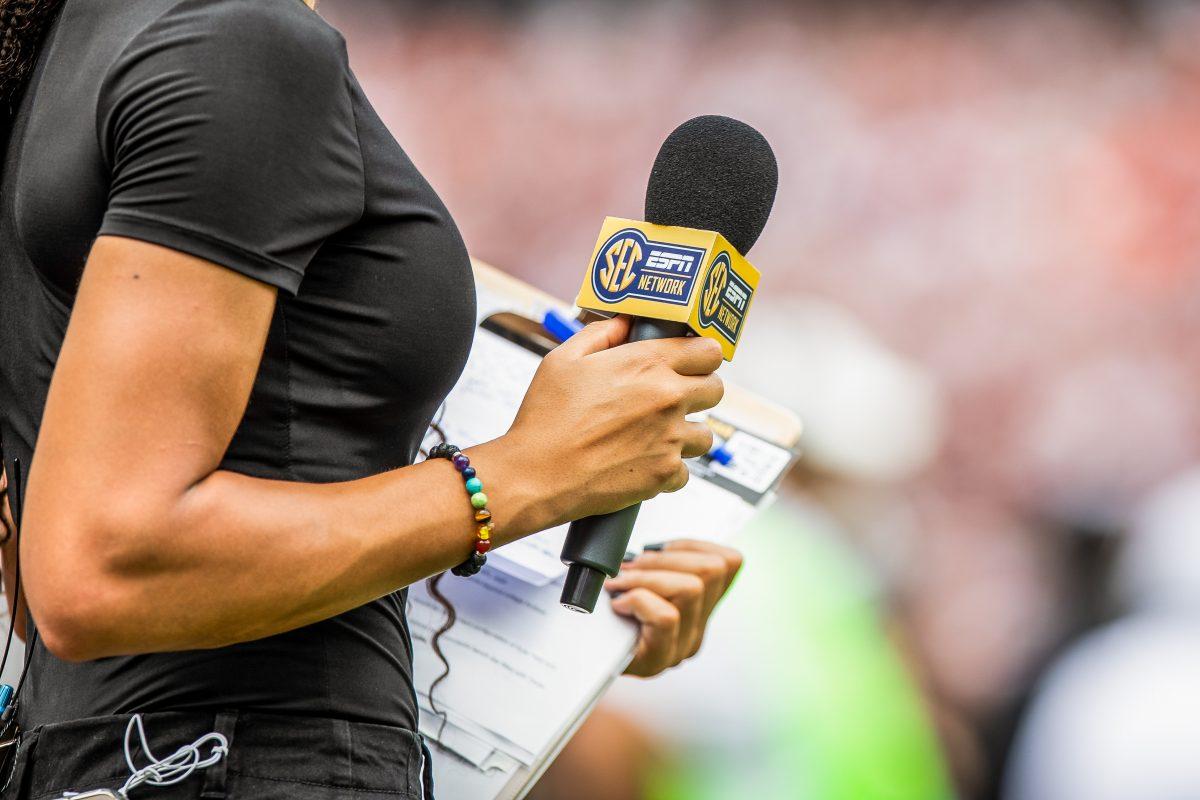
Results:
134 541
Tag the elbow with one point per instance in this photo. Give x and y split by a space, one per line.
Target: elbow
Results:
70 637
82 596
85 620
79 614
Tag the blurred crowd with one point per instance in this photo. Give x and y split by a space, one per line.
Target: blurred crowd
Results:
981 280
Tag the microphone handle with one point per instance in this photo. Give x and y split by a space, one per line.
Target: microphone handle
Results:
596 545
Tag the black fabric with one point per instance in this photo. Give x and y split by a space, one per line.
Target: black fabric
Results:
270 757
234 130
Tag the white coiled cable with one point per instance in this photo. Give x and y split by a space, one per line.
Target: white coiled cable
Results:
172 769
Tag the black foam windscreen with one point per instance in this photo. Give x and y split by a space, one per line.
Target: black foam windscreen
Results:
716 174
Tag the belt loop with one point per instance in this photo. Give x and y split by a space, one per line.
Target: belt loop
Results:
215 776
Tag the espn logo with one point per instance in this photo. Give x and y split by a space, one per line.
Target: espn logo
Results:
672 262
630 265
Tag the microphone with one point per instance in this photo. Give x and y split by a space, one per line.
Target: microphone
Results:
710 193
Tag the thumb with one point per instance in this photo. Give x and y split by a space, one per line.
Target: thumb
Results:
596 337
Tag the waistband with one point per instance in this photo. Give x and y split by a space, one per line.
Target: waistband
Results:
330 757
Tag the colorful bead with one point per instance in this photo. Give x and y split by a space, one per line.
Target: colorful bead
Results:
442 450
479 500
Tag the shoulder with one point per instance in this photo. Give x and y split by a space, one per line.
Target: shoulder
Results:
224 59
223 35
284 25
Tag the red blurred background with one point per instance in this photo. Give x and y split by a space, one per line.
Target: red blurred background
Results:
1007 195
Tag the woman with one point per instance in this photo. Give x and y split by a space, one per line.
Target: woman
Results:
229 307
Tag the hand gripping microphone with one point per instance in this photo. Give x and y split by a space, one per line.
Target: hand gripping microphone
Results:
683 271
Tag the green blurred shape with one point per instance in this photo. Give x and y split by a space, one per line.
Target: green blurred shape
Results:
839 717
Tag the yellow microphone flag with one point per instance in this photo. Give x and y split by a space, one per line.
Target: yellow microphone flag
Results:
670 273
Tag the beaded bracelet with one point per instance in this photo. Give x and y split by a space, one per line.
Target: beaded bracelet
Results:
483 517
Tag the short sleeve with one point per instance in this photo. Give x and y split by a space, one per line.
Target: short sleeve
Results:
229 133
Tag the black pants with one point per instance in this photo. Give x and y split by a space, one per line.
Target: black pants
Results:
270 758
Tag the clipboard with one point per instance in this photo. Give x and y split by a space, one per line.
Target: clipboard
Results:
472 757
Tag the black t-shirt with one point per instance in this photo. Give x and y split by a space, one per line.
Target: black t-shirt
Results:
234 130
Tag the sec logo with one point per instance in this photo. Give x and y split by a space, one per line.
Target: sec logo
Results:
630 265
724 299
619 260
718 278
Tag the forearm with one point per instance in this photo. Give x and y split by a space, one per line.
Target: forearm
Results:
133 540
235 558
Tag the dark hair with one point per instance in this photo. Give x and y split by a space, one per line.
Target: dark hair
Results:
23 23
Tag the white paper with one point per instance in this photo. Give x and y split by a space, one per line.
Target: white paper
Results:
470 748
525 671
699 510
521 664
484 403
481 752
482 407
459 723
756 463
454 777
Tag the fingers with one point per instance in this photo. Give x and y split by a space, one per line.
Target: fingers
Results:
659 621
661 644
690 355
672 592
597 336
711 568
698 355
731 557
682 590
697 439
703 393
678 480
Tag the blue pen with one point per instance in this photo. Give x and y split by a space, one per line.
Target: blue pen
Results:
560 326
720 455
